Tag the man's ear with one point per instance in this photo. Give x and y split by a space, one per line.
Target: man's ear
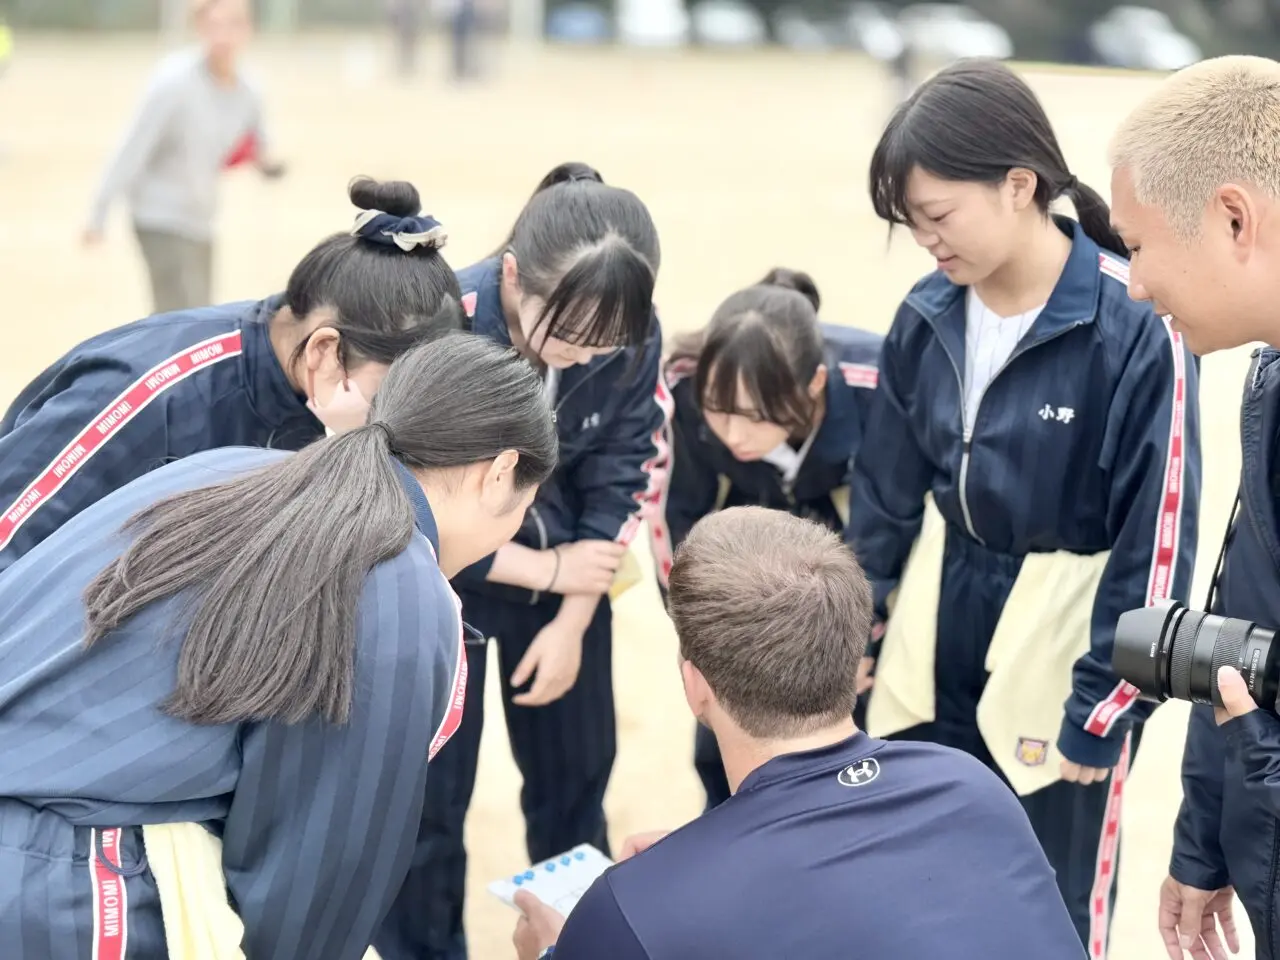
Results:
697 692
1238 210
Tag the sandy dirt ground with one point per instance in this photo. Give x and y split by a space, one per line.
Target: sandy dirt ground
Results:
747 160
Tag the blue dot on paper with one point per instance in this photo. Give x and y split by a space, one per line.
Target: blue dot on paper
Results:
579 855
565 860
528 874
551 868
517 880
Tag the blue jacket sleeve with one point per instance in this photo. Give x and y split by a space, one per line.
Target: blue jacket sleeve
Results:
891 476
321 829
692 481
621 479
70 439
597 927
1151 451
1197 857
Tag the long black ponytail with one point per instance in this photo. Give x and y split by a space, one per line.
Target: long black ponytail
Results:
275 560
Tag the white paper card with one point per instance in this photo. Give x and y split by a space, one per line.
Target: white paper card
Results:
559 882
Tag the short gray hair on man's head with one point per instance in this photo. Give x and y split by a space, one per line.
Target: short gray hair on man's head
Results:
775 612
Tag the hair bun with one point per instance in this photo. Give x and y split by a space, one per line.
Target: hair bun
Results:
796 280
396 197
406 233
569 172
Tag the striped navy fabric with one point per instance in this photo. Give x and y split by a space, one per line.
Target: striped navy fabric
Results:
134 398
318 822
1087 440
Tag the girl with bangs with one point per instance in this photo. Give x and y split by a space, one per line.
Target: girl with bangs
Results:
769 411
1030 469
571 289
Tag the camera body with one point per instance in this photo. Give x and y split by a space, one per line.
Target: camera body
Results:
1172 653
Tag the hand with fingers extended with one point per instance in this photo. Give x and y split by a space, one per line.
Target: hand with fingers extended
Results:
1197 921
587 566
552 660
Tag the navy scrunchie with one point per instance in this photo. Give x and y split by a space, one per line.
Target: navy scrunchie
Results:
407 233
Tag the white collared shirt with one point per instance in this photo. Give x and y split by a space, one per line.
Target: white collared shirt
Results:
989 341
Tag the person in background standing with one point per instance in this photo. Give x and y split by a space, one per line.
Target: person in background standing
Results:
199 116
406 24
464 26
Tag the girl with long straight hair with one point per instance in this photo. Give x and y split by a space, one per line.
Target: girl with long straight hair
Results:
571 288
260 647
1030 469
275 372
769 411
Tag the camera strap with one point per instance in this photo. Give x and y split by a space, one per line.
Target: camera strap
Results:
1222 555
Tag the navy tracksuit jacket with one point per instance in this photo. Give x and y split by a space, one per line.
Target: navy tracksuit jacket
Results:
317 821
865 849
1228 829
611 416
1087 440
700 463
136 397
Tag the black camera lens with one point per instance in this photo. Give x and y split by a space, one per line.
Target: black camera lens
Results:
1170 652
1142 651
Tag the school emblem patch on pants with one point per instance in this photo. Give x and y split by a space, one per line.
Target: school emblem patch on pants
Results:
1032 753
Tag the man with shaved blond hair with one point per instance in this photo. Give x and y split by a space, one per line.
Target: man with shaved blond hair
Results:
1196 197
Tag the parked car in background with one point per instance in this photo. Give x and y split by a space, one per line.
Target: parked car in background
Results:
874 30
727 23
1141 38
942 32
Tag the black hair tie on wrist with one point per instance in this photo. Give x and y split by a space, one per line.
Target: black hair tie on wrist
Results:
556 573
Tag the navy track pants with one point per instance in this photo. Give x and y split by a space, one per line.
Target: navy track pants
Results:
74 893
1077 825
564 750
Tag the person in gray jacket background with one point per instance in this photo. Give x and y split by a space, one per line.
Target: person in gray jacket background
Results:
199 116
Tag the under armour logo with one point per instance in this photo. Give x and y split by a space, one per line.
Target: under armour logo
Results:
859 774
1061 414
591 421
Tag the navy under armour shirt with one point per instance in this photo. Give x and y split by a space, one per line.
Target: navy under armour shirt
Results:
866 849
